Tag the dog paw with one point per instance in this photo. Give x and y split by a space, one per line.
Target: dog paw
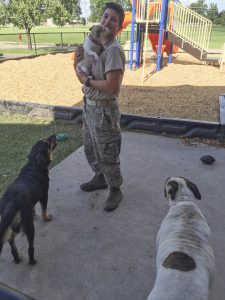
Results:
17 260
32 262
47 218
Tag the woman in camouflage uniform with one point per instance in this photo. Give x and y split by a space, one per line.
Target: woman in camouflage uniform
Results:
101 117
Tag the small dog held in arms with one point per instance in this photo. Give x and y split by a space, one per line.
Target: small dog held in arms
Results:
185 260
93 46
18 201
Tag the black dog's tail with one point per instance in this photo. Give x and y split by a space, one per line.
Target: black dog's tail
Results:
7 217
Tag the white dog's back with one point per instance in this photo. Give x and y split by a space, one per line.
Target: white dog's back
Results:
185 260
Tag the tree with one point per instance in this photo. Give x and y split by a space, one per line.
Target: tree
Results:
200 7
221 18
25 14
72 7
97 5
213 13
3 12
63 11
57 11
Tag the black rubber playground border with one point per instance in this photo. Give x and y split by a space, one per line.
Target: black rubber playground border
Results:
157 125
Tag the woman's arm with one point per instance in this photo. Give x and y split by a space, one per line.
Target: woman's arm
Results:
112 83
78 56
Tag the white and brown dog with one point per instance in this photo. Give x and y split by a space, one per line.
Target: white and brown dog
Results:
93 46
185 260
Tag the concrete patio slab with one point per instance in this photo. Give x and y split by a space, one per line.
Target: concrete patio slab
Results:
88 254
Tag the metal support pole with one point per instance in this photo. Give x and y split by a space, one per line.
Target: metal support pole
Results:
170 54
171 44
61 40
35 47
161 34
138 40
132 33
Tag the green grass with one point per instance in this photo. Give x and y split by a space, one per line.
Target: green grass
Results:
29 52
18 133
45 29
217 37
75 35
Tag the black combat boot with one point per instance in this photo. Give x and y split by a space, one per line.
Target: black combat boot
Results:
96 183
115 196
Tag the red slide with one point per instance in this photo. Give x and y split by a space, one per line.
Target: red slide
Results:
154 37
127 21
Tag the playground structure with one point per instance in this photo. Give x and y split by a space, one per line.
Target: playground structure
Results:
222 57
168 25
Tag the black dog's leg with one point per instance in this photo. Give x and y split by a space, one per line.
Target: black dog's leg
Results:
28 228
14 251
30 237
44 202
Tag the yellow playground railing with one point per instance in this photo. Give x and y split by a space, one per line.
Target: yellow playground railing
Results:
222 57
190 26
152 7
182 21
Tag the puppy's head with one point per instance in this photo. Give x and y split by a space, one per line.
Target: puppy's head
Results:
41 152
98 32
180 189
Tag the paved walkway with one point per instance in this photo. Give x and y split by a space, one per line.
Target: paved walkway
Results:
87 254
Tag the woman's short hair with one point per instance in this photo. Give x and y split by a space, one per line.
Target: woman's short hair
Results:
118 8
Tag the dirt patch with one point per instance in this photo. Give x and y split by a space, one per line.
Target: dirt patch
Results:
184 89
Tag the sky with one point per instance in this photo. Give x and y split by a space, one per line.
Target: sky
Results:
220 4
85 7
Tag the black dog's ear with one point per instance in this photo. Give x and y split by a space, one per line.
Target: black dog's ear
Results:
173 189
193 187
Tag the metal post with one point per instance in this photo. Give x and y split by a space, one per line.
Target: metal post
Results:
171 44
61 40
138 40
161 34
35 47
170 54
132 33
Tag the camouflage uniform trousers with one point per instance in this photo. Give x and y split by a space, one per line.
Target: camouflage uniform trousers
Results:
102 141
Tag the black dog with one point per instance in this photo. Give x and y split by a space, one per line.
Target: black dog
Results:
18 201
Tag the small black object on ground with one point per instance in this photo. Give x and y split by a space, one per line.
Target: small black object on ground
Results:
207 159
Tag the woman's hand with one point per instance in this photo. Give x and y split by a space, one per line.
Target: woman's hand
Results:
78 56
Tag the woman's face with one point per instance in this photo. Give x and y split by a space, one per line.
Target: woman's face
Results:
110 20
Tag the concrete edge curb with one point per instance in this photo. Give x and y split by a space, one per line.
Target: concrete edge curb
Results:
157 125
30 56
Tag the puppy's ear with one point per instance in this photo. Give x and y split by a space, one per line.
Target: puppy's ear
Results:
193 187
173 188
90 29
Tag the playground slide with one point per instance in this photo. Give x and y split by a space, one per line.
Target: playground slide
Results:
127 21
153 37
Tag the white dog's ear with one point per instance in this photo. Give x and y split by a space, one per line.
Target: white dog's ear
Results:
193 187
172 188
90 29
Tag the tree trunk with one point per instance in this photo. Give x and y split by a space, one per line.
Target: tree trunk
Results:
29 42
